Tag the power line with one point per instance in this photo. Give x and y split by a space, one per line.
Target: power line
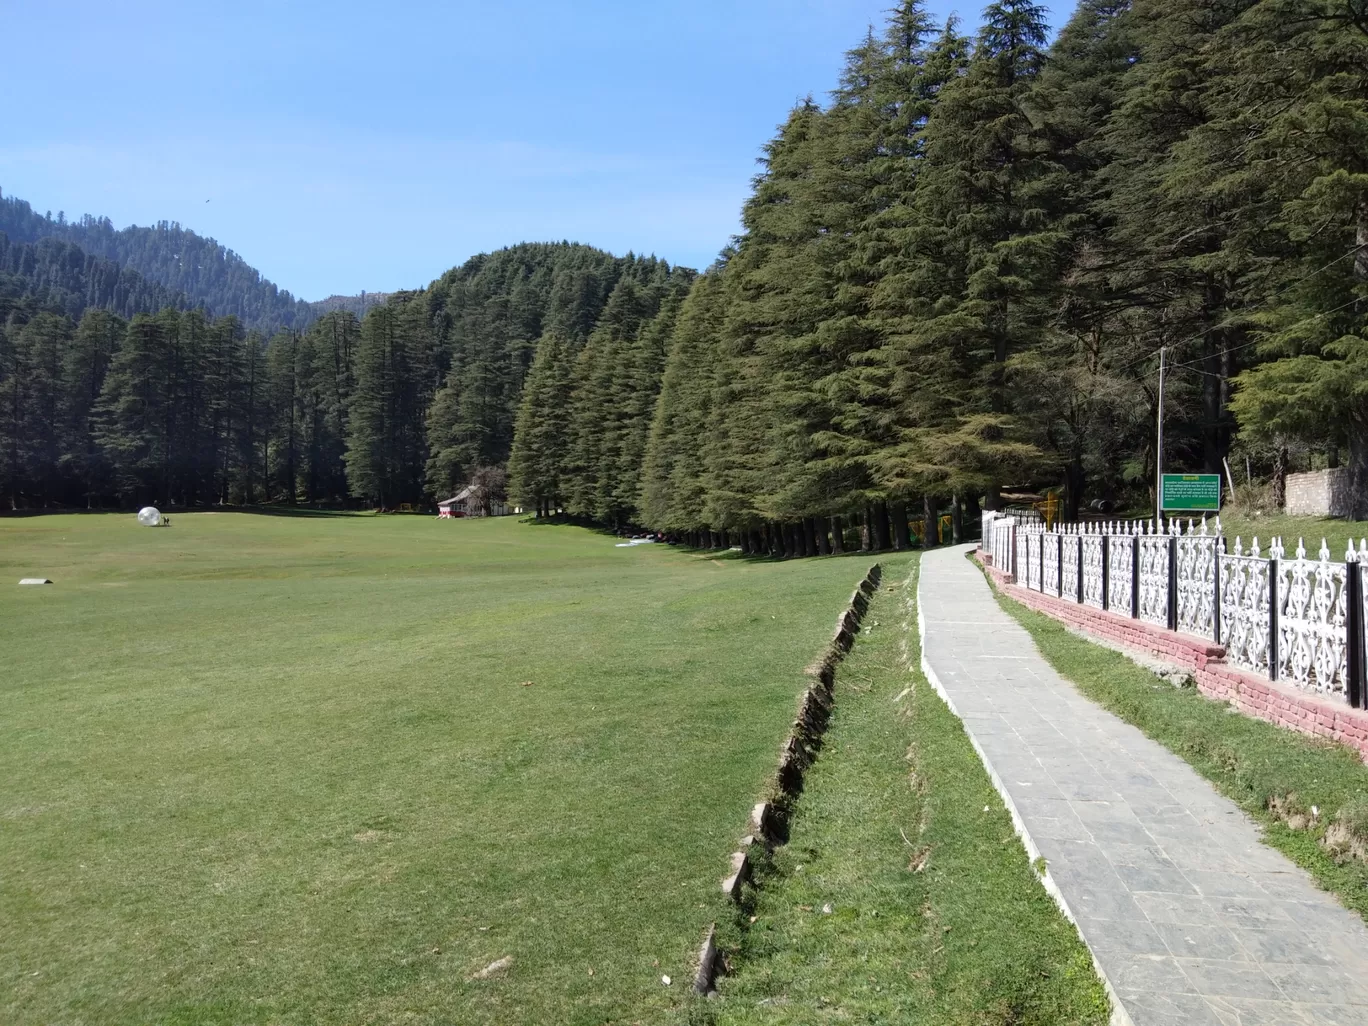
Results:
1225 324
1235 349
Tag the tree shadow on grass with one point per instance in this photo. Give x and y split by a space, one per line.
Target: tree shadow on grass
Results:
730 555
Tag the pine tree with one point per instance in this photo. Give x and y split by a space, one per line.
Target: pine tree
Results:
601 404
1296 96
133 412
673 495
541 439
386 448
93 348
983 257
285 399
1181 291
1090 412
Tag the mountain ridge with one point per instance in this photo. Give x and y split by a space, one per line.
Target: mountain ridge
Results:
186 264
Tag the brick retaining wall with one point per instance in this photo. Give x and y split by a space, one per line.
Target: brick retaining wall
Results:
1319 493
1205 660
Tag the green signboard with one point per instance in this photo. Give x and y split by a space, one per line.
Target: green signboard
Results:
1191 492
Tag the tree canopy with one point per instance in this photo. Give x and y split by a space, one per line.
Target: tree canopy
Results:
955 278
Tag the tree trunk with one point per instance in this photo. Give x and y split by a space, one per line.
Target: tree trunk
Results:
757 544
956 519
929 533
902 538
837 536
824 536
1358 468
972 512
744 538
1280 476
867 529
881 538
1215 365
1073 488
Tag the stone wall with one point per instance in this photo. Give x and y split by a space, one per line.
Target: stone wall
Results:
769 819
1320 493
1215 678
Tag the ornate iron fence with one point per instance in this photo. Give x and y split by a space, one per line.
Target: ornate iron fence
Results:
1153 587
1198 583
1120 570
1049 563
1300 620
1069 579
1246 622
1094 570
1312 621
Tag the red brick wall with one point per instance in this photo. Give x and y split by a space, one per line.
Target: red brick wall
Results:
1268 700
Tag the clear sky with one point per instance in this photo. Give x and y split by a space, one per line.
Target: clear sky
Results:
344 146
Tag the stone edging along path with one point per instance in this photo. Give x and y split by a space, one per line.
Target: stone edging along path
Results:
770 818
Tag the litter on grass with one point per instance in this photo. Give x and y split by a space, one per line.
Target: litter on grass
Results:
497 966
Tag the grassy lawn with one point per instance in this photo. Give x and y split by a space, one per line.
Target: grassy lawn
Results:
264 769
1312 529
903 895
1253 763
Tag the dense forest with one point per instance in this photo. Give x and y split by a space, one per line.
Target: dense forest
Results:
193 270
955 278
57 277
407 402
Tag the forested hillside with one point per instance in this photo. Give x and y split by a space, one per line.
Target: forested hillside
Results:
211 275
408 401
955 277
50 275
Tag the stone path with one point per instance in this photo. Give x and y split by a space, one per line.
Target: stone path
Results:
1190 918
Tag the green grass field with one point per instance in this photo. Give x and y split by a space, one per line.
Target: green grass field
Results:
277 770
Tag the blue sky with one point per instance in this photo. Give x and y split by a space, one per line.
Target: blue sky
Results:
348 146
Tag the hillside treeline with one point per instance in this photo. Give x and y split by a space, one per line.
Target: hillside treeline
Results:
955 277
208 275
407 402
55 276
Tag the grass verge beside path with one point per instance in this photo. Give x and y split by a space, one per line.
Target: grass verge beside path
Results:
1251 762
903 895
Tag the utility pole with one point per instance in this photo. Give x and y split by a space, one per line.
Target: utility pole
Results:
1159 448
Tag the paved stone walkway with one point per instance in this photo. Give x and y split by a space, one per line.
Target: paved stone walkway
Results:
1191 919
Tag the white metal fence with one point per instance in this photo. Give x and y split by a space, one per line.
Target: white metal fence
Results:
1297 620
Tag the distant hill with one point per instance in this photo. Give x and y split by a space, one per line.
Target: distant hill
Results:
357 305
59 277
200 269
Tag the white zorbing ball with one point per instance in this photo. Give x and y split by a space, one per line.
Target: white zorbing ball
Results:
149 516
